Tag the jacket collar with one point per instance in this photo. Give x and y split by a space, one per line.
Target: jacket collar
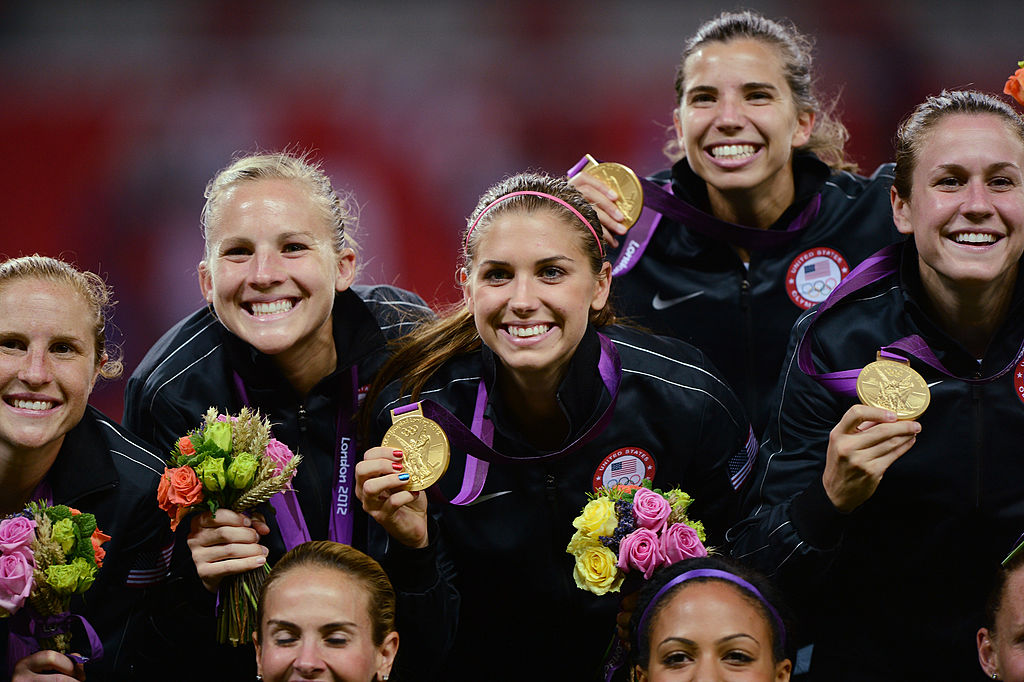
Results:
356 337
581 395
953 355
84 464
809 177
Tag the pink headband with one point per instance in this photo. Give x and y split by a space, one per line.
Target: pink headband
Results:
497 201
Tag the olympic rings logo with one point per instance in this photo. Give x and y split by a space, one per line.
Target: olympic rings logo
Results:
819 287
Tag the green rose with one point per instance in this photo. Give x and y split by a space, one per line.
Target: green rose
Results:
211 473
86 574
63 534
241 470
218 434
63 577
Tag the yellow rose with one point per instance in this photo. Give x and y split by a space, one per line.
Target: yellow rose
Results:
596 570
598 518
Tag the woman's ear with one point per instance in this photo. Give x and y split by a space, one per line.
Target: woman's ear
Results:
987 652
603 288
386 655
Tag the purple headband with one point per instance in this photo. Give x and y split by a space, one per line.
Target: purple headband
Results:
721 575
497 201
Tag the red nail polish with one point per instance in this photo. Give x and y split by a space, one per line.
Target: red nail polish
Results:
397 466
397 453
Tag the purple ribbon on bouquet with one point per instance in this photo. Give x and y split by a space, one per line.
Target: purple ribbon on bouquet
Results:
476 441
28 626
290 520
875 267
660 201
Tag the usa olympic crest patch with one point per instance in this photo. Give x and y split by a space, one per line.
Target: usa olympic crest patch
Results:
625 466
813 275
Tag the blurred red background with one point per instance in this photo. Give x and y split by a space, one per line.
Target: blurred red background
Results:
114 115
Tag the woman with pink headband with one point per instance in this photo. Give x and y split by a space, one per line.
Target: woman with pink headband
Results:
709 619
544 401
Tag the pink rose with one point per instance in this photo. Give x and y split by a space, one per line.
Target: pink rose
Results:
278 453
15 580
679 542
641 550
16 532
650 509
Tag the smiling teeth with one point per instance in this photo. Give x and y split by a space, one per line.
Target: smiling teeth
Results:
974 238
733 151
271 308
32 404
523 332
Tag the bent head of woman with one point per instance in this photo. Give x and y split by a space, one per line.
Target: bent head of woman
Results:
959 192
326 612
708 619
278 247
999 650
534 275
52 348
745 102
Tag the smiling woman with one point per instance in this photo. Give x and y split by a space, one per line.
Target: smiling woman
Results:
545 402
54 446
286 332
840 483
762 215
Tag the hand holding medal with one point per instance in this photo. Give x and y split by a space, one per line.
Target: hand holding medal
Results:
599 183
389 481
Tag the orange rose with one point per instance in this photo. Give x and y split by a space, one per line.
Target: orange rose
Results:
98 538
1015 86
185 446
179 489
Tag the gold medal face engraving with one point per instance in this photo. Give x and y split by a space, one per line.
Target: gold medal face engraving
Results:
624 182
894 386
424 446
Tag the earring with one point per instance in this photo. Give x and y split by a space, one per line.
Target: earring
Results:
995 676
259 678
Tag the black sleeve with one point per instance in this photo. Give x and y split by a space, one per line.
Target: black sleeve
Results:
792 530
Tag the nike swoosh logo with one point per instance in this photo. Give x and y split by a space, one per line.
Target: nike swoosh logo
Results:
935 383
490 496
660 303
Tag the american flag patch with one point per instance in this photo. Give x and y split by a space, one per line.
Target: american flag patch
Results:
742 463
817 270
623 467
150 568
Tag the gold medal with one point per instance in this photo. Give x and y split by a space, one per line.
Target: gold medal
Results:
624 182
893 385
424 446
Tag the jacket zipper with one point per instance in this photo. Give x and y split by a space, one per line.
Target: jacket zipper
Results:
751 397
978 439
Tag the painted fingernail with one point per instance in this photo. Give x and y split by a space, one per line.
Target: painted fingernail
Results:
403 477
397 466
397 453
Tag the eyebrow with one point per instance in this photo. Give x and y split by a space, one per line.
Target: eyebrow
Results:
722 640
542 261
746 86
325 627
992 167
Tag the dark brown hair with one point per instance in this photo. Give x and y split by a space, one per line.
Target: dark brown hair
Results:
915 128
829 135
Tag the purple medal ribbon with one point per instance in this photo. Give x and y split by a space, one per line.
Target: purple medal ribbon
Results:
875 267
27 627
290 520
476 442
660 201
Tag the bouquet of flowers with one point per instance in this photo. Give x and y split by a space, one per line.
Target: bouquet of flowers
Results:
47 554
1015 84
230 462
628 528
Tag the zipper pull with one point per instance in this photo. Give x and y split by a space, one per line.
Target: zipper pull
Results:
302 418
